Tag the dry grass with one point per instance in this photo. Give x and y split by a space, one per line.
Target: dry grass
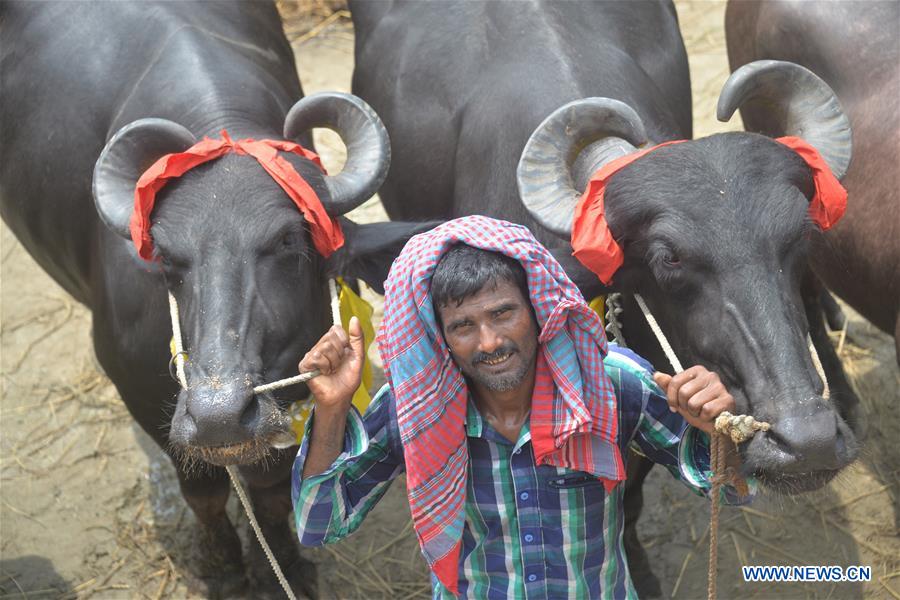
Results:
385 571
305 19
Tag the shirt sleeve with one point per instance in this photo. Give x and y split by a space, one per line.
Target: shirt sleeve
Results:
333 504
665 437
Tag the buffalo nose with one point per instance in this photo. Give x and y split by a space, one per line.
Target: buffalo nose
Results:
809 443
222 413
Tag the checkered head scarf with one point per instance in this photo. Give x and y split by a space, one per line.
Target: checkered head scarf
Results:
572 426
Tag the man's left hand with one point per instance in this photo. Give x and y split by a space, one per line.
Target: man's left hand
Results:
697 394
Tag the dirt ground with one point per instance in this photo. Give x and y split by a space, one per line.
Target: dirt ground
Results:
89 506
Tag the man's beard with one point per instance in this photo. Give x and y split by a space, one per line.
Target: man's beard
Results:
501 382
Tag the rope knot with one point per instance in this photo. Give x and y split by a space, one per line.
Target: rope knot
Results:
739 428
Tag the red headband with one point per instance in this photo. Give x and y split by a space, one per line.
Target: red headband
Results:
326 232
593 243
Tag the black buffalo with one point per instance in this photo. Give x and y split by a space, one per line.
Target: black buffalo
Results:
715 231
129 82
854 48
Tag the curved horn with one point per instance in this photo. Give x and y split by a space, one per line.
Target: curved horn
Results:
566 149
798 101
125 157
368 146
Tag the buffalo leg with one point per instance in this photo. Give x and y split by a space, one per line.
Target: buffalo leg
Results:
217 547
645 582
270 494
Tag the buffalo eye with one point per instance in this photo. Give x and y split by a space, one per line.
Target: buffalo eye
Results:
667 266
291 243
662 255
670 259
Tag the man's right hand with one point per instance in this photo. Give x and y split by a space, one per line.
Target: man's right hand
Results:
338 356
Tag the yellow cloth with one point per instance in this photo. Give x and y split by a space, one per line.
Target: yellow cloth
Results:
172 347
351 305
598 305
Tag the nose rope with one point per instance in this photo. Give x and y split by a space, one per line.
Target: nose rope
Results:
179 359
739 428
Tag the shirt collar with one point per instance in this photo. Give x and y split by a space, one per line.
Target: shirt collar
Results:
474 422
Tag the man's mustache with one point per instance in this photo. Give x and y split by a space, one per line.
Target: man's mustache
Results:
498 353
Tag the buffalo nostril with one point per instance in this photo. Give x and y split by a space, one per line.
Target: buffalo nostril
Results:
773 437
840 446
182 429
250 416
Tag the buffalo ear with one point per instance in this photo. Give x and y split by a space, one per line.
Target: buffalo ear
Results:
370 249
124 158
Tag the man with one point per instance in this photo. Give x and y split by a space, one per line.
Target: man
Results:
509 414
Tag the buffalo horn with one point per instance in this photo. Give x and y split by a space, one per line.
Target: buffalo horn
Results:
368 146
566 149
798 101
125 157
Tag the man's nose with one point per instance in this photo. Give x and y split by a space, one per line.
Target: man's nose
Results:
489 340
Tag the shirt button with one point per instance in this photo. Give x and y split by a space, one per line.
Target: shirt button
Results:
532 577
524 495
517 451
529 537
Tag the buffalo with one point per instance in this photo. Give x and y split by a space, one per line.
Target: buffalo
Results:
87 108
860 258
508 109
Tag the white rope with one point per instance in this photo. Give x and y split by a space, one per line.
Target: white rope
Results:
660 336
179 357
826 393
176 337
232 473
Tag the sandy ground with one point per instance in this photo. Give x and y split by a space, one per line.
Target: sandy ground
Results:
89 507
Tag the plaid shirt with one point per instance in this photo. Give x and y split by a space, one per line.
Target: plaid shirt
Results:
531 531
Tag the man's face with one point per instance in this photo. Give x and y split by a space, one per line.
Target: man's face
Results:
492 336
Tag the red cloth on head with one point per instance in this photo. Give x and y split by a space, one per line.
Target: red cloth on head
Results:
829 202
326 231
592 241
595 247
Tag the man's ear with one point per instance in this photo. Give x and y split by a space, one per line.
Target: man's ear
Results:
588 283
370 248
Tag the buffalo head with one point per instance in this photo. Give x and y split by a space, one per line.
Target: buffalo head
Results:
237 255
715 235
